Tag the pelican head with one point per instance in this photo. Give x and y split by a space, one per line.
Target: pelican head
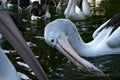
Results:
52 38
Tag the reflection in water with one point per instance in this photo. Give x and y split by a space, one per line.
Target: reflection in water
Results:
56 66
23 76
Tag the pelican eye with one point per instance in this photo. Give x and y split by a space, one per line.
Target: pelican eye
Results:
52 40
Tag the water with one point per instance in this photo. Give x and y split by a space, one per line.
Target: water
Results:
56 66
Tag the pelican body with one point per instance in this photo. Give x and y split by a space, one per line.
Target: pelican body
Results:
7 70
77 12
63 35
40 9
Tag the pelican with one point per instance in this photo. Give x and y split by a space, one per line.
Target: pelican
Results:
76 13
40 9
63 35
61 3
10 32
23 5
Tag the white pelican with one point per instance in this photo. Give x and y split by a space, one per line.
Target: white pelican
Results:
23 5
75 12
60 4
63 35
41 10
9 30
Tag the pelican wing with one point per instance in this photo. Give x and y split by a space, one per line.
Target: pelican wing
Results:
98 30
112 22
114 39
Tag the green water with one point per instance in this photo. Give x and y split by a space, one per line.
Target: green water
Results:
58 67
